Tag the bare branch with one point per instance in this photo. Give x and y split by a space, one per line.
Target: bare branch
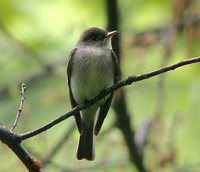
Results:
22 92
10 139
128 81
13 140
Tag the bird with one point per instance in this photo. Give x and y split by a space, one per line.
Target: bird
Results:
92 67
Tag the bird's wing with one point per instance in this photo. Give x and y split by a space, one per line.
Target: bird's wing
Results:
73 102
116 67
105 107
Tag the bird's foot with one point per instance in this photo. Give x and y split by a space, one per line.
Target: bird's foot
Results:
103 92
86 102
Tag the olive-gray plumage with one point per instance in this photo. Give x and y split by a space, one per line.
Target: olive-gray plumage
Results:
92 67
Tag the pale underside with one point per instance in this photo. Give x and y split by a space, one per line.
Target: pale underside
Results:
92 72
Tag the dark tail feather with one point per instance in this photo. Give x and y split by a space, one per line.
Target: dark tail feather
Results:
86 144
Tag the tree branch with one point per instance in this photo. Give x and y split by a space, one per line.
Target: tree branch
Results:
128 81
10 139
13 140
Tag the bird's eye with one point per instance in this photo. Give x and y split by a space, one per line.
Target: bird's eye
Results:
94 38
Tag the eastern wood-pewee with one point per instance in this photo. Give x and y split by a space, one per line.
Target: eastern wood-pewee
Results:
92 67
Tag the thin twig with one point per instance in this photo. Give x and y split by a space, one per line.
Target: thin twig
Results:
128 81
22 93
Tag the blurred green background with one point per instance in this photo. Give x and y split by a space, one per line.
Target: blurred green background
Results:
35 40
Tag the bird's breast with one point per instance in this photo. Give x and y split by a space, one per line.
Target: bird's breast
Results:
92 71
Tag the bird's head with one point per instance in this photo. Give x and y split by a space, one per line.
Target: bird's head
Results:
96 37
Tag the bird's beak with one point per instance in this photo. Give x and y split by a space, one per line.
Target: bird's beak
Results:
111 34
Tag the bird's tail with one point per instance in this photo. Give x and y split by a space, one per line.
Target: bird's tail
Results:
85 148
